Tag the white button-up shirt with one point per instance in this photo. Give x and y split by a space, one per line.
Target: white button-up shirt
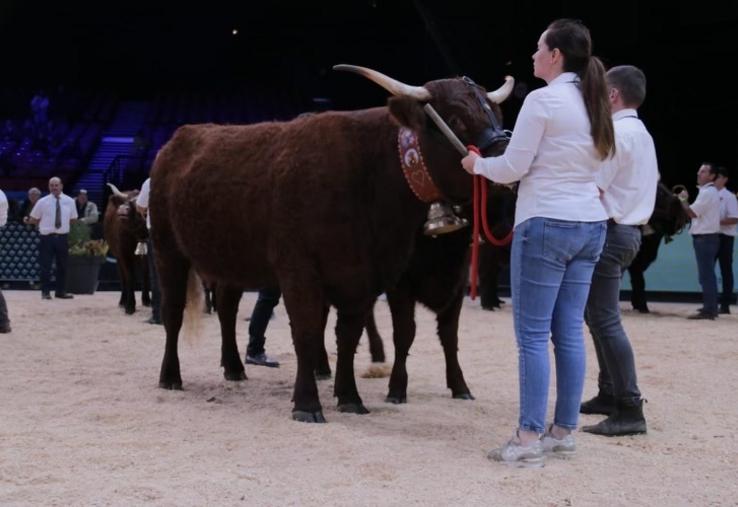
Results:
629 179
707 209
552 154
45 212
728 209
3 208
143 200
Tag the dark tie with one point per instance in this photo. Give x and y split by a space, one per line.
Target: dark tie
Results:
57 219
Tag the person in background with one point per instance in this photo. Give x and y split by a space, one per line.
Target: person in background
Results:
4 319
562 135
705 230
260 315
53 214
142 205
628 183
728 221
28 203
86 209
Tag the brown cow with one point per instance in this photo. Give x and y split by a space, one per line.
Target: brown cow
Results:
124 228
318 206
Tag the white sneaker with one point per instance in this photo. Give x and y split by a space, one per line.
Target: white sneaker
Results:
561 447
516 454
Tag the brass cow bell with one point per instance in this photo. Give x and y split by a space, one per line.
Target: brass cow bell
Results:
442 220
141 248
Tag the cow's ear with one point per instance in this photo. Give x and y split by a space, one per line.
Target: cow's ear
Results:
407 112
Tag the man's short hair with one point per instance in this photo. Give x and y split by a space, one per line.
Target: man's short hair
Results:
712 166
722 171
630 81
82 191
34 190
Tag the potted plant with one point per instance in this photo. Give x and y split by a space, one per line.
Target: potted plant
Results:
85 258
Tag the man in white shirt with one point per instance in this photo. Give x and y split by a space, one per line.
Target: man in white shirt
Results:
705 229
4 320
142 205
627 183
728 221
53 214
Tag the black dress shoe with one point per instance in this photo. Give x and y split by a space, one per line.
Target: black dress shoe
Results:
626 420
702 316
152 320
45 295
63 295
724 310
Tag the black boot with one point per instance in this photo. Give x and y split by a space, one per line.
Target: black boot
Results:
601 404
627 420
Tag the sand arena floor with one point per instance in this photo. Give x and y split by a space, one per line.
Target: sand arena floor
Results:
82 421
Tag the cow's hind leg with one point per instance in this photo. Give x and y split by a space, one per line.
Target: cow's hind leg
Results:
230 360
173 272
323 367
402 307
376 347
349 327
448 332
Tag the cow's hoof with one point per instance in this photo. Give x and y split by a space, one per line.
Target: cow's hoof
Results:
463 396
322 375
308 417
130 311
174 386
353 408
397 400
235 376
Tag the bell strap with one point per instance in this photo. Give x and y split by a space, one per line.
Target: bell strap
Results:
413 167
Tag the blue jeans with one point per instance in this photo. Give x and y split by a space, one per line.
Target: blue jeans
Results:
262 312
551 266
706 248
614 353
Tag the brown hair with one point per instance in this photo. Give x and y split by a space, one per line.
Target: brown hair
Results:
572 38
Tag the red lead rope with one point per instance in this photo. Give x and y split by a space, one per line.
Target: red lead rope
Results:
480 209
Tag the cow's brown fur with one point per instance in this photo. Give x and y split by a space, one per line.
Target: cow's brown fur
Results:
317 206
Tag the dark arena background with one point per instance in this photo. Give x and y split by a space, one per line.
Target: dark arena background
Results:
121 77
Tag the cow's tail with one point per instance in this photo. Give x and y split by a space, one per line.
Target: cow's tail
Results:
192 318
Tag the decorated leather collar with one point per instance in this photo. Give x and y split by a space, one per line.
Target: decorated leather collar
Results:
413 167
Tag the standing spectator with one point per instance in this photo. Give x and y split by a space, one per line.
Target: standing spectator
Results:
53 214
86 209
142 205
705 230
628 183
4 319
562 134
728 221
260 315
28 203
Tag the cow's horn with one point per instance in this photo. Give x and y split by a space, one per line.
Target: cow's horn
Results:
391 85
503 92
117 192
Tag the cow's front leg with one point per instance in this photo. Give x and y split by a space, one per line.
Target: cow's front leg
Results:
305 305
402 307
349 327
448 332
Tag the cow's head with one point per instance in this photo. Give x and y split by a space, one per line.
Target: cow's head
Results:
123 205
669 217
471 112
